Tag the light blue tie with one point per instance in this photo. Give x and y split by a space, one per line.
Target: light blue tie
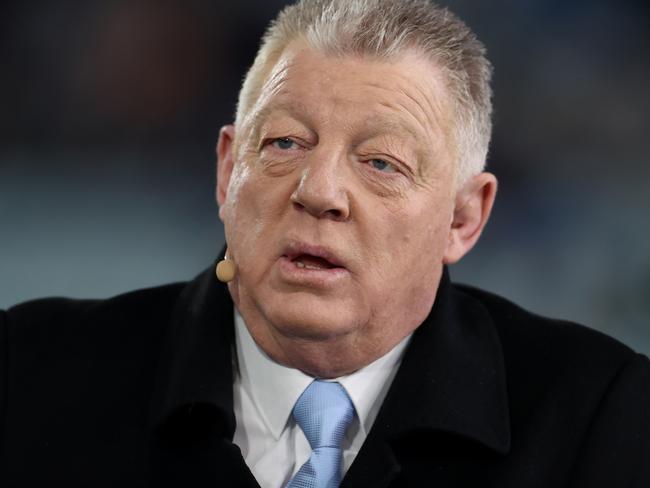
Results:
324 412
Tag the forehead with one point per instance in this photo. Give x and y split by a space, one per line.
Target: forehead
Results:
402 94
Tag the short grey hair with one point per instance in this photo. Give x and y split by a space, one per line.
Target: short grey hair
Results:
383 29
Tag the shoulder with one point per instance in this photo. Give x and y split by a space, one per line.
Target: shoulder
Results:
91 363
573 389
42 335
566 367
65 346
54 309
59 310
559 363
544 338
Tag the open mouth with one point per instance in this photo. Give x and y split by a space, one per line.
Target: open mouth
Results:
312 264
309 261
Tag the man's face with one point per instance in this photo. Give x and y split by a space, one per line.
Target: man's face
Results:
338 203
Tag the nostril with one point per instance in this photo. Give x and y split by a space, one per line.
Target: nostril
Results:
331 213
298 206
320 205
335 213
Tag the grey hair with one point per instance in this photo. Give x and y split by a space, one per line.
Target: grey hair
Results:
383 29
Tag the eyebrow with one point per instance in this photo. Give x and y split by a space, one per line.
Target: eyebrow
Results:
291 108
382 126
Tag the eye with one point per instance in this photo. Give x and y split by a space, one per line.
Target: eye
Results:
383 166
283 143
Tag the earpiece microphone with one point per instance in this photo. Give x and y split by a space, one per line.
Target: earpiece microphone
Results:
226 269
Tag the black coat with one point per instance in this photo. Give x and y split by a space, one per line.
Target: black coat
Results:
137 391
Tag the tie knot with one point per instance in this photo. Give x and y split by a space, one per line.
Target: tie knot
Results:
324 412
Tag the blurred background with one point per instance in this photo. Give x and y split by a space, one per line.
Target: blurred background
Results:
110 110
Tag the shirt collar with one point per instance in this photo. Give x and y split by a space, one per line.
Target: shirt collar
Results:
263 378
368 386
274 388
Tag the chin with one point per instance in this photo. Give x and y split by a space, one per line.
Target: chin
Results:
312 318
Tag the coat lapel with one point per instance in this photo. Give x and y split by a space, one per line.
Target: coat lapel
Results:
450 385
192 418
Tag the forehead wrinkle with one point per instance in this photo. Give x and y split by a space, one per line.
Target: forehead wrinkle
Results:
438 128
421 116
279 75
272 87
436 112
434 132
433 115
395 121
291 108
404 126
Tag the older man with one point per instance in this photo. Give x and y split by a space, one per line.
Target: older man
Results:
338 353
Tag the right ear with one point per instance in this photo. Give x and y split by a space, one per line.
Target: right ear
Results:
225 163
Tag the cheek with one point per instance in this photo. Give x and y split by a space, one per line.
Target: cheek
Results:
243 197
253 210
413 239
238 209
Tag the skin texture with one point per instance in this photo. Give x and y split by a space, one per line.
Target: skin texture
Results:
347 158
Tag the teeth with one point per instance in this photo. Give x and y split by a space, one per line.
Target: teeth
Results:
302 265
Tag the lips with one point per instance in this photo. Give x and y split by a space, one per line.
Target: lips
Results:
311 257
311 267
309 261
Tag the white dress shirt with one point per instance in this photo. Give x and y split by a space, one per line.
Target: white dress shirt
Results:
273 445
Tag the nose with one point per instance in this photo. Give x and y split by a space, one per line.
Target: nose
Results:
322 190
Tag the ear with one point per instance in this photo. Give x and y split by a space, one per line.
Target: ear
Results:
225 163
471 212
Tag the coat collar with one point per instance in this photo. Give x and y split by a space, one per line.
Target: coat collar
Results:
451 379
451 385
196 365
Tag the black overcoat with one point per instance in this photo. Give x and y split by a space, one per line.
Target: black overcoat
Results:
136 391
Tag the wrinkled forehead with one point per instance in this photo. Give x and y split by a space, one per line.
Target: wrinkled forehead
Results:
406 91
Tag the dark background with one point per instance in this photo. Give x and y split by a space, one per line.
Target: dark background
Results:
110 110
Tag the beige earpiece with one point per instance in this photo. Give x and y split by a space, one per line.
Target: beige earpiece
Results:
226 269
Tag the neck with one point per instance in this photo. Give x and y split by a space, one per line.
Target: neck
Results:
320 356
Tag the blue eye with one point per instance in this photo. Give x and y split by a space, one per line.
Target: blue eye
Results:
283 143
381 165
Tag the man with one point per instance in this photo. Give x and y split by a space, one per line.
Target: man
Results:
338 353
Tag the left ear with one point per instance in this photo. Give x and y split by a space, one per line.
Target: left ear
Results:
471 212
